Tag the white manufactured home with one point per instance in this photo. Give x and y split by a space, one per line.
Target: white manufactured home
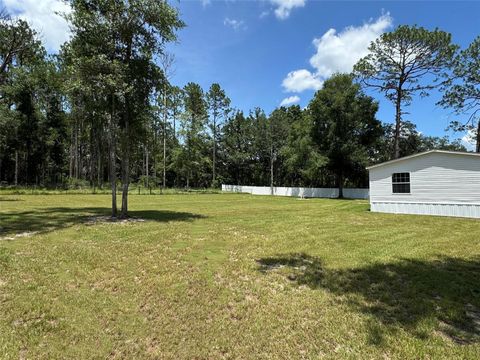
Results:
437 182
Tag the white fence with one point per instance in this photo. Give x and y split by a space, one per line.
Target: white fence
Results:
297 191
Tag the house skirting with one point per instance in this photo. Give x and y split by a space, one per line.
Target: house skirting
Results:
420 208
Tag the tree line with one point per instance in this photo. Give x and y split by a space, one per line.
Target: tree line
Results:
103 111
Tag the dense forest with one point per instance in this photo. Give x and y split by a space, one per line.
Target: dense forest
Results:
103 112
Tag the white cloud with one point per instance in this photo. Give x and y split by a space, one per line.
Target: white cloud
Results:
234 24
290 100
300 80
45 17
206 2
264 14
283 8
338 52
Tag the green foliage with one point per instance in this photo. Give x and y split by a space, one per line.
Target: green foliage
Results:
32 119
412 142
103 109
20 45
462 92
113 52
218 105
409 60
344 127
303 164
237 150
192 158
73 183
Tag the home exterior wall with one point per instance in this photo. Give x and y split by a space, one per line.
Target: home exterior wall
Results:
297 191
442 184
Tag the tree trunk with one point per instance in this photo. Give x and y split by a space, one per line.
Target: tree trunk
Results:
16 167
26 158
174 126
76 162
176 180
271 170
125 169
398 125
214 149
81 174
164 137
93 158
478 138
147 180
99 170
125 141
113 177
112 155
70 170
340 185
154 171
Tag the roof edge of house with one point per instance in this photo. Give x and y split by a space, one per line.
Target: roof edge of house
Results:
422 154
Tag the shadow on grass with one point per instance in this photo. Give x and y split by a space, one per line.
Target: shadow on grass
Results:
444 292
164 215
49 219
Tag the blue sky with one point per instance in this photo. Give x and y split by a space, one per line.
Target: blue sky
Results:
263 52
250 52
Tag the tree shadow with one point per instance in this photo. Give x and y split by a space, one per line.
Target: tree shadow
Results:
50 219
444 292
165 215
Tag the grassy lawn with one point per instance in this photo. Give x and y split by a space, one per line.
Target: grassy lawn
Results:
234 276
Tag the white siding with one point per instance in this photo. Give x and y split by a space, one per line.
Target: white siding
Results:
440 184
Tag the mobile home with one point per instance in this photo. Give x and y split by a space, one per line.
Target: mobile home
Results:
437 182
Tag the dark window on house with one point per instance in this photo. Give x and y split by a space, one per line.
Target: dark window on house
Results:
401 183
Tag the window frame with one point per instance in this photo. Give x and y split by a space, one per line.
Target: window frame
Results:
409 183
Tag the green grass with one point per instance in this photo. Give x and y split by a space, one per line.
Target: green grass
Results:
136 189
209 276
